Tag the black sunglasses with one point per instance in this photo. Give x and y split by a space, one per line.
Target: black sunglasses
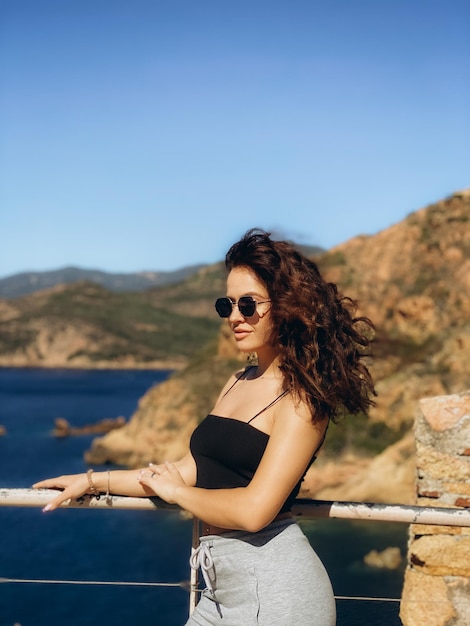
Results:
246 305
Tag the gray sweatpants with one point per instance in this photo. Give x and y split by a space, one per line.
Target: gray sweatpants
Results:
269 578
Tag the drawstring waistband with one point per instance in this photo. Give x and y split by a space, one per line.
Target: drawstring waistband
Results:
202 558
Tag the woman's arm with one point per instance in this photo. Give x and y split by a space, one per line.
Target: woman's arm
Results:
292 443
121 482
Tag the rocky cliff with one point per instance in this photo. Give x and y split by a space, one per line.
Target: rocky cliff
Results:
413 281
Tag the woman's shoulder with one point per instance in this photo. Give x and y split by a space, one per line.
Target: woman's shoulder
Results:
290 407
294 418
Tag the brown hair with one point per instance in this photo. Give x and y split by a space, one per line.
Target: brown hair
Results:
322 345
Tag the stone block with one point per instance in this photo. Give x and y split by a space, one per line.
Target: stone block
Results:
425 601
459 593
439 555
460 488
445 412
435 464
418 530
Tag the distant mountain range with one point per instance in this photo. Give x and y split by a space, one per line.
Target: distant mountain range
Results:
29 282
26 283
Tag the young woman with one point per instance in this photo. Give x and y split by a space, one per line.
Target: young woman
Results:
249 456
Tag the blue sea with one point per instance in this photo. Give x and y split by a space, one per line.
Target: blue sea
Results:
129 546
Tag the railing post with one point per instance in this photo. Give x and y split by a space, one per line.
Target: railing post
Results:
437 580
194 573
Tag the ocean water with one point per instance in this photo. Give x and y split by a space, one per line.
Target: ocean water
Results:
129 546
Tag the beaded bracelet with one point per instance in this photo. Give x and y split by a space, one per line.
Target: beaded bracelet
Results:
93 488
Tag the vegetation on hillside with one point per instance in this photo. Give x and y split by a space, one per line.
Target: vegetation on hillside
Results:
194 296
118 324
357 434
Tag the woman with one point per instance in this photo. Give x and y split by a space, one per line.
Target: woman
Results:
249 456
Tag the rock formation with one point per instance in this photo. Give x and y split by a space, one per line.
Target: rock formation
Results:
390 558
437 581
389 477
62 428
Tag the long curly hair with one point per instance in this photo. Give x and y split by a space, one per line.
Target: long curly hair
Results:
322 345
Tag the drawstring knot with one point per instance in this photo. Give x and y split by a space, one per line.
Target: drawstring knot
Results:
202 558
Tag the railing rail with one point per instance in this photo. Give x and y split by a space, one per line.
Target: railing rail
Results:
304 508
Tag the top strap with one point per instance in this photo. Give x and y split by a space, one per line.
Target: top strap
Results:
242 376
269 405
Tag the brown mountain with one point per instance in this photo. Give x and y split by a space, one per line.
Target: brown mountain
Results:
413 281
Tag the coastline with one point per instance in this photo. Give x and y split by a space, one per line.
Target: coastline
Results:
95 365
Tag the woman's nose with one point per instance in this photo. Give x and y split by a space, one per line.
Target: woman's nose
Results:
235 315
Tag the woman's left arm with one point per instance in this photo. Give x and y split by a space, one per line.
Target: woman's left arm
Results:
292 444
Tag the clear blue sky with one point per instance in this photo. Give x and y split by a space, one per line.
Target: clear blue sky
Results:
149 135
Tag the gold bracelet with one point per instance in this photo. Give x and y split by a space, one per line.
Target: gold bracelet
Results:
93 488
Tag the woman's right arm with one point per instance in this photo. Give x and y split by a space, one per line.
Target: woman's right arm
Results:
121 482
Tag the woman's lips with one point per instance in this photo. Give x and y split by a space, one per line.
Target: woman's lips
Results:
241 334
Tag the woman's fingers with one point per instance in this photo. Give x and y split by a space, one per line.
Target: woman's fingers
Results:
153 471
161 480
147 475
58 482
49 483
56 502
163 469
73 487
144 477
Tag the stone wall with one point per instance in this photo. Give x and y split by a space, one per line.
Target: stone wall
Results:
437 581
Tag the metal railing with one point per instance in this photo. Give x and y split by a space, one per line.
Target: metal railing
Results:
302 508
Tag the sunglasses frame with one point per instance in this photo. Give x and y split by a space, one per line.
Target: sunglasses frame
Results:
249 302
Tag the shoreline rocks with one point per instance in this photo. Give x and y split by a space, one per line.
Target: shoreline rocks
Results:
390 558
62 427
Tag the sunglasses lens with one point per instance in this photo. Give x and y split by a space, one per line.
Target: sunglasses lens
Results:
223 306
247 306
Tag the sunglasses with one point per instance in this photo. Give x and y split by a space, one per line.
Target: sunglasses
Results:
246 305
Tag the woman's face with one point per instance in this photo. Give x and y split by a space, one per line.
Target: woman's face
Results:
251 333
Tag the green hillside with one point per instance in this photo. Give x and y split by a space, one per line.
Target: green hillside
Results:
144 326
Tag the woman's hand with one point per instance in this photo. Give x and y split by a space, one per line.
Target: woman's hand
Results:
74 486
163 480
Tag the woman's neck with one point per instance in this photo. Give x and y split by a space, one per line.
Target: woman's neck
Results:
268 365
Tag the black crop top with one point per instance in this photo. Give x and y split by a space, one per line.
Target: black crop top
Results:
227 453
